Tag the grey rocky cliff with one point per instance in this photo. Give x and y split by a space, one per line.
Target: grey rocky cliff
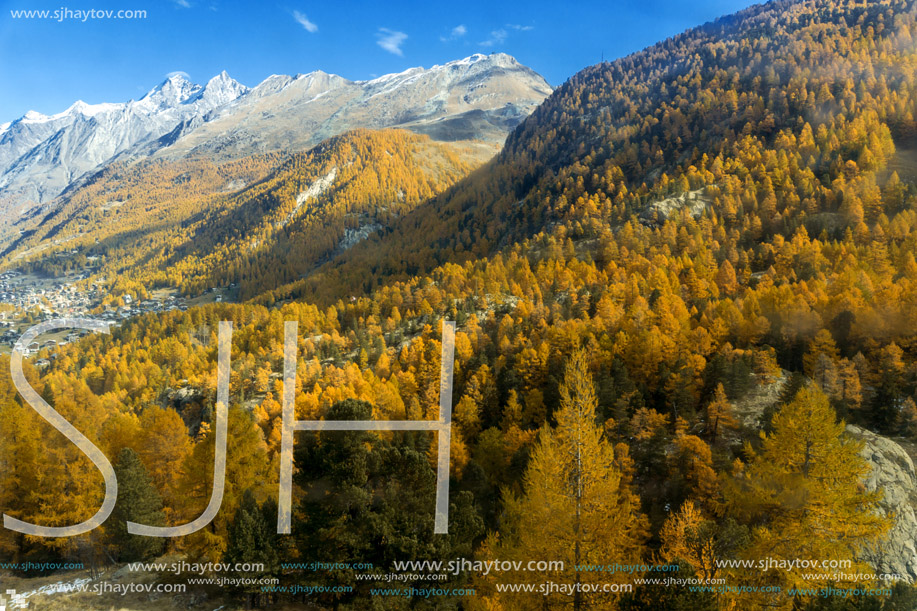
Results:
893 472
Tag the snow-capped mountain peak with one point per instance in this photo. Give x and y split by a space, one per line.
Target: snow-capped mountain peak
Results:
90 110
76 110
170 93
33 116
222 89
40 155
478 97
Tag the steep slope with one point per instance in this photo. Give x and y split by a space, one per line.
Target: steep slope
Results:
125 203
255 223
782 80
41 155
314 206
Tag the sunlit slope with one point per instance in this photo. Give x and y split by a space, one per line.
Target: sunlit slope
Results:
785 114
256 223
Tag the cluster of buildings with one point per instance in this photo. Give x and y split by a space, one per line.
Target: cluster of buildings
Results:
131 308
33 301
58 297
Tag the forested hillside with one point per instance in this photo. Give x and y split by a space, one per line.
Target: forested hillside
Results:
257 223
689 268
314 206
126 207
780 112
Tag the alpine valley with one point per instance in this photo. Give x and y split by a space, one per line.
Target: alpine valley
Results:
684 286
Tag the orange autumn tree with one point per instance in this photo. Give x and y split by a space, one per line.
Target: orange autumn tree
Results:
803 496
577 505
683 538
719 414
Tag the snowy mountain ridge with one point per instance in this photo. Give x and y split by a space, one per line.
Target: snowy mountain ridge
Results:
479 97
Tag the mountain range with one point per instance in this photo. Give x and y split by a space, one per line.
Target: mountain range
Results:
697 260
481 97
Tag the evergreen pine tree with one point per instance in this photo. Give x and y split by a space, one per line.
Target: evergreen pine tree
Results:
138 501
802 493
253 540
577 503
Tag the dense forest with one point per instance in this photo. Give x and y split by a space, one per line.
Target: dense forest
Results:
124 206
727 214
256 223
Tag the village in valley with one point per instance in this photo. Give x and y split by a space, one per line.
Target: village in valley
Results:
28 299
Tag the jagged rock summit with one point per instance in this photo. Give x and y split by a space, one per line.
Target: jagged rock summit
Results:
481 97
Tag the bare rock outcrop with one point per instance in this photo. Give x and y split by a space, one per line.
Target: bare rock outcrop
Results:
893 472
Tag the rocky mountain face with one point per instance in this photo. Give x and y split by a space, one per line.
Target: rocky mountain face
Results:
893 472
480 97
41 155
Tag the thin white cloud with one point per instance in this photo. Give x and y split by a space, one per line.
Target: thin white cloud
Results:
302 20
497 37
390 40
183 3
457 32
180 73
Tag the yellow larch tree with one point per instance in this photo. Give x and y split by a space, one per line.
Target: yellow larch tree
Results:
803 496
577 505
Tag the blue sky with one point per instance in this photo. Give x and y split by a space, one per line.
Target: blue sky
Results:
46 64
